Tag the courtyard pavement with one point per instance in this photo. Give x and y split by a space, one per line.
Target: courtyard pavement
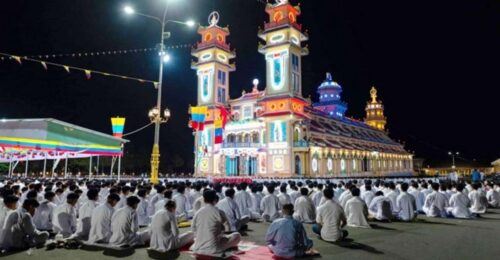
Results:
426 238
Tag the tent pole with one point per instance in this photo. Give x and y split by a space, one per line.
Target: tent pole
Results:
98 165
10 167
66 167
113 159
26 167
44 165
90 168
119 166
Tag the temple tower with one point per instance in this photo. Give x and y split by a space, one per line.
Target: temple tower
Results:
375 112
213 55
330 101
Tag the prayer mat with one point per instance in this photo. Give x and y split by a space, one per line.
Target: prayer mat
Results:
184 224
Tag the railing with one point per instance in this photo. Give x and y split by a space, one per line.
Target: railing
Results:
223 45
271 25
301 143
241 145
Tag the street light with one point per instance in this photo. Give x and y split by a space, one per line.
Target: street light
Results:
154 114
453 154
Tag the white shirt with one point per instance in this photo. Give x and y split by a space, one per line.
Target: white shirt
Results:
305 211
244 201
182 203
329 216
459 205
419 197
209 230
270 207
380 208
256 199
64 220
142 212
124 227
368 196
316 197
493 197
356 212
164 231
478 201
284 198
232 211
19 231
43 215
392 195
84 219
100 224
435 205
407 206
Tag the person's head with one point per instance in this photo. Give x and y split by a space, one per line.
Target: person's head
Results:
10 201
93 194
355 192
125 190
30 205
72 198
113 199
368 187
379 193
270 189
414 185
460 187
304 191
230 193
392 186
283 189
404 186
320 186
142 193
210 197
435 186
476 185
167 194
49 196
133 201
181 189
170 206
287 210
328 193
32 194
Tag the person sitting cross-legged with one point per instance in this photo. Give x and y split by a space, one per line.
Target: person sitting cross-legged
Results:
125 226
287 238
356 211
164 231
100 222
330 219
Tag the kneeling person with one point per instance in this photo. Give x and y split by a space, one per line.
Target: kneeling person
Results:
164 231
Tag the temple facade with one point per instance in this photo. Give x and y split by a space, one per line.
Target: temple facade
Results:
275 131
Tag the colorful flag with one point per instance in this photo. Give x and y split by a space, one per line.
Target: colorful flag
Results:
118 125
224 114
218 131
198 114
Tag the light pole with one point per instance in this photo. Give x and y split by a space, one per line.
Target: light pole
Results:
154 114
453 154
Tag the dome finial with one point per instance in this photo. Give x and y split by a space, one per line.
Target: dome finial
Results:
329 76
373 94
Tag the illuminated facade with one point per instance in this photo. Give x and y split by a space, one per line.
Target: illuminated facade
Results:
276 132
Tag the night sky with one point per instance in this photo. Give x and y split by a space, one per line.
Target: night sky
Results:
435 64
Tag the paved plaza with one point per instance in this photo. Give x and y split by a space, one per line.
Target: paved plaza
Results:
427 238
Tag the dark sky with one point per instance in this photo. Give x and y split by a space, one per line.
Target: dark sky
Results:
435 64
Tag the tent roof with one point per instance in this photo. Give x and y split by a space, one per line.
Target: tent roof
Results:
51 138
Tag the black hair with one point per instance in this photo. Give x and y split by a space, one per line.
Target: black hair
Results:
133 200
114 196
30 203
304 191
328 193
93 194
49 195
229 193
210 196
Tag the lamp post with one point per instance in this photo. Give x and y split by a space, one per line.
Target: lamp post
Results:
154 113
453 154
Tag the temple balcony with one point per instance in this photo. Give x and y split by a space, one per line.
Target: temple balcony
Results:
273 25
241 145
214 43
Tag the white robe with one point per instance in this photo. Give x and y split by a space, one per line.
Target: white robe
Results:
244 202
183 207
392 195
294 195
165 233
344 197
493 198
152 202
193 196
305 211
125 229
256 199
19 232
419 197
233 214
208 227
407 206
100 224
316 197
4 211
270 207
356 212
368 196
329 215
198 204
64 220
284 198
478 200
435 205
380 208
142 212
459 205
84 219
43 215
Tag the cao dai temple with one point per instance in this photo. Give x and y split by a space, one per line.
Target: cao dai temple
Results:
276 132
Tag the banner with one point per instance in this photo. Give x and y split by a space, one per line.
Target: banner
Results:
118 125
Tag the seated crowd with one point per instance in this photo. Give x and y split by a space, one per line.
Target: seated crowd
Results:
134 213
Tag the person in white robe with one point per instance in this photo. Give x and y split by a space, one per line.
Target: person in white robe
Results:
182 202
478 200
406 204
305 211
8 204
125 192
235 220
19 232
64 217
43 214
392 194
356 211
125 227
142 208
380 207
418 195
367 195
294 194
195 194
344 197
283 196
243 200
330 219
100 223
160 205
493 196
435 203
103 193
165 234
459 204
270 205
85 214
317 196
208 227
154 199
256 198
198 204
